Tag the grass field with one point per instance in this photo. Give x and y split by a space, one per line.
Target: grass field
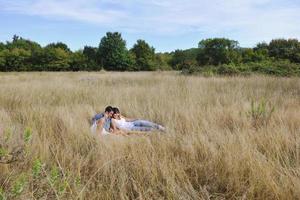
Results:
226 138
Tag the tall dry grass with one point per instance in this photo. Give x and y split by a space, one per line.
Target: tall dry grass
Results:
224 139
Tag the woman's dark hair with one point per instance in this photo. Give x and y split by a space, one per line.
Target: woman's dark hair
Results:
108 109
115 110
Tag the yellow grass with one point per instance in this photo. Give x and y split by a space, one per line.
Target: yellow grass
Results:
216 146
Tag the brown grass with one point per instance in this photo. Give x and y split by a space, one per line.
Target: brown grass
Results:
217 145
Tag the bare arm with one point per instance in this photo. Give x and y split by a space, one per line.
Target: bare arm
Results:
121 132
100 124
113 126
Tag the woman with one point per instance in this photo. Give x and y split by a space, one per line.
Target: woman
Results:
127 124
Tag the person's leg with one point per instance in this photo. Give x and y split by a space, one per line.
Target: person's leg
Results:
145 123
142 128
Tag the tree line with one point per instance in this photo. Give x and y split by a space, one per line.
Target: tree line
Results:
25 55
225 56
213 56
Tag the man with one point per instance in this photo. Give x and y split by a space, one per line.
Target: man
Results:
102 122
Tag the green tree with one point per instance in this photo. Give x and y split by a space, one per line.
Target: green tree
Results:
91 53
17 59
24 47
2 46
78 61
285 49
113 53
247 55
144 56
182 58
261 52
3 60
178 58
38 60
21 43
162 61
261 46
55 59
218 51
59 45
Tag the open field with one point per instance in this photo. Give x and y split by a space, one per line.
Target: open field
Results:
227 137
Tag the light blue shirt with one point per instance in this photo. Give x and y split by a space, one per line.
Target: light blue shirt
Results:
107 122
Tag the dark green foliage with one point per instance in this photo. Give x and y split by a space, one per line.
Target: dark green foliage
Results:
20 54
223 56
37 60
253 55
285 49
178 58
21 43
113 53
181 58
218 51
280 57
278 68
55 59
3 55
144 56
262 46
162 61
16 59
59 45
2 46
92 59
25 55
78 61
16 55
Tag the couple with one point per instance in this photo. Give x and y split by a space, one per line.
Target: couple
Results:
112 122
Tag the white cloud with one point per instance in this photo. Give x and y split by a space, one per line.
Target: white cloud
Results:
62 10
247 19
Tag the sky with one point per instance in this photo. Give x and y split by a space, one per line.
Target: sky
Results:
165 24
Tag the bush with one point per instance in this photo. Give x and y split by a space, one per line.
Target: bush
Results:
261 113
277 68
230 69
188 67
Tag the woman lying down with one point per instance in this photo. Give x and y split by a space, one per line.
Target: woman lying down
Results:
125 124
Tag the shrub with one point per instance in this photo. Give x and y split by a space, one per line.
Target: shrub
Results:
37 168
276 68
19 186
27 135
260 112
229 69
2 194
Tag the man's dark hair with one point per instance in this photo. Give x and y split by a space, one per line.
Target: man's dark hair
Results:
108 109
116 110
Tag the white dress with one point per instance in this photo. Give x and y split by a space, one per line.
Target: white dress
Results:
123 124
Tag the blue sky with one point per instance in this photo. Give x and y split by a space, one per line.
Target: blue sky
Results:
165 24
